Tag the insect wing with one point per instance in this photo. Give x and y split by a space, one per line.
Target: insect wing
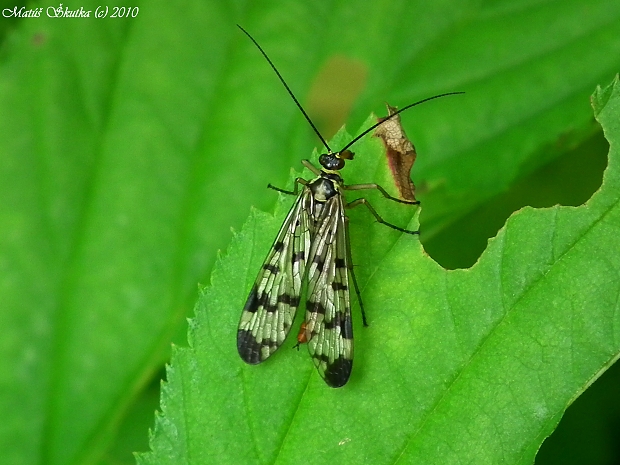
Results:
273 301
328 327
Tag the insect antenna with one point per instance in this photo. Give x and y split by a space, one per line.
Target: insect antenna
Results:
314 128
394 114
290 92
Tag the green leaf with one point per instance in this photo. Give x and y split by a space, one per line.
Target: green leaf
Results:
464 366
130 146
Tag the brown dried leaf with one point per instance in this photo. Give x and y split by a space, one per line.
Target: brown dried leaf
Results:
400 153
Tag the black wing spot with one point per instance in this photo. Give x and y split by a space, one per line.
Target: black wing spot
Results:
288 300
269 308
321 358
278 246
253 302
315 307
298 256
273 268
339 286
337 373
257 301
248 347
320 262
340 263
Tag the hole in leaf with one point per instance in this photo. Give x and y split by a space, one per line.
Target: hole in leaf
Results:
589 431
568 180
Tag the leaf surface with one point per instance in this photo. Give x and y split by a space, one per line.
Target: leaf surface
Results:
464 366
130 146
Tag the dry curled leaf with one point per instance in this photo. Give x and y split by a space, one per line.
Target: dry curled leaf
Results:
400 153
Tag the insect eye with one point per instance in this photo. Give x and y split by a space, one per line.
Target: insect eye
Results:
324 160
331 161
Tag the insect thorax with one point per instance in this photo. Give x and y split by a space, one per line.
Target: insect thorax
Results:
325 186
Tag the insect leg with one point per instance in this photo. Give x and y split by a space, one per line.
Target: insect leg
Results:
299 181
357 187
362 201
311 167
350 266
295 191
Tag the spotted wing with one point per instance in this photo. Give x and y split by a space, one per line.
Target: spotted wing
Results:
328 327
273 301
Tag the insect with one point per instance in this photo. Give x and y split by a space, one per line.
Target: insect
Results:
312 246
